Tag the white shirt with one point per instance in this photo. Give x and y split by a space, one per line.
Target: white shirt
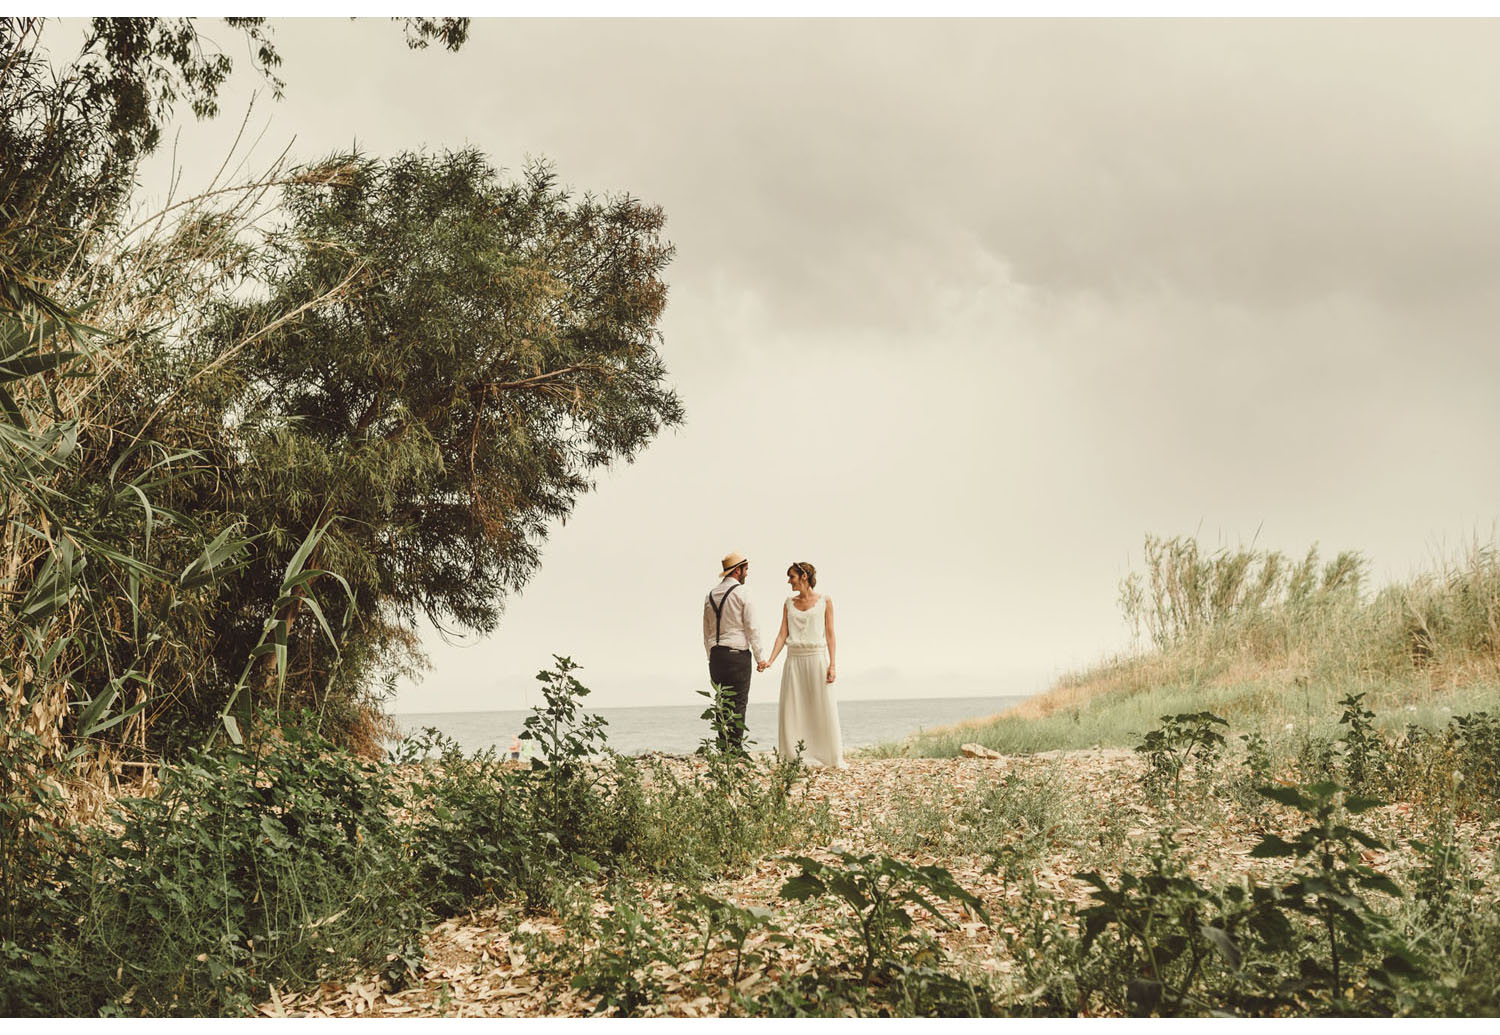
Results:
737 628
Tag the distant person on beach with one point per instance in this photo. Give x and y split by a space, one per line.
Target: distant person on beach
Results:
808 711
730 636
515 749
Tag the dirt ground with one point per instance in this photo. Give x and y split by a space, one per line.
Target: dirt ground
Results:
482 965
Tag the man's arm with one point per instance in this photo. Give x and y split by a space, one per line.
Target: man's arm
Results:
708 628
752 631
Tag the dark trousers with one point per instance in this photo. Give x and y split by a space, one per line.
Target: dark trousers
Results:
730 669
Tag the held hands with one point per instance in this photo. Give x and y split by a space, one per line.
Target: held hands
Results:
762 666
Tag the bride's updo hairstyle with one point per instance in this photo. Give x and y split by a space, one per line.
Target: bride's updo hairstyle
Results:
807 571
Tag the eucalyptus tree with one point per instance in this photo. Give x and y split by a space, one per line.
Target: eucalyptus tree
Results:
469 352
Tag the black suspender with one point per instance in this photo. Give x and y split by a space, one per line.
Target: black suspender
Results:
719 609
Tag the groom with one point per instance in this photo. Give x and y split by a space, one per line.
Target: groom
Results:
729 638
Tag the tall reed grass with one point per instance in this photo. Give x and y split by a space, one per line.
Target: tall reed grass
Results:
1270 644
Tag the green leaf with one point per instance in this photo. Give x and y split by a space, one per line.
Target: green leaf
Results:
95 708
273 829
802 887
233 729
1220 940
150 518
17 367
1272 847
1286 795
12 411
221 552
1380 882
916 898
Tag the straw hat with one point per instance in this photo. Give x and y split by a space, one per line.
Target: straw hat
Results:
731 562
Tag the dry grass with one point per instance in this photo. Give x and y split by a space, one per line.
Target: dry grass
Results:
1268 653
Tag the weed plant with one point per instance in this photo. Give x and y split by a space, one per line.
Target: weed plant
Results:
250 868
888 968
1179 740
622 964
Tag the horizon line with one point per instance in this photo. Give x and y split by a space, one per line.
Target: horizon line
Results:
621 707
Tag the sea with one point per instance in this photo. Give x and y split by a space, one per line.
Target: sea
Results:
678 729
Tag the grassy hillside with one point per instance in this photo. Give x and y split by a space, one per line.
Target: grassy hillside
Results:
1271 645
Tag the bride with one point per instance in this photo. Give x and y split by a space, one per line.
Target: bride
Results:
808 711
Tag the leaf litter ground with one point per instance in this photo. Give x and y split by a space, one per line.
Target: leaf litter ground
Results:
484 964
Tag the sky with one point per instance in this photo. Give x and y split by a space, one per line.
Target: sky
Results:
961 310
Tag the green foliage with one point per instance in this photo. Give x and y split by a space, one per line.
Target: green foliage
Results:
1475 740
725 927
76 127
567 800
475 834
1364 751
470 351
1169 930
1164 943
1317 757
35 839
1258 764
565 737
1451 768
725 724
904 989
1190 736
623 967
894 969
1455 920
1444 885
487 830
1185 594
877 890
274 865
1331 889
294 593
419 367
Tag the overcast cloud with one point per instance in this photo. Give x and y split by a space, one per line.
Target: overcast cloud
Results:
961 310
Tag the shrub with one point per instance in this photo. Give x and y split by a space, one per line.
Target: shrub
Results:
719 818
250 868
1190 736
34 840
1331 890
1476 741
473 834
1364 750
877 890
629 950
1166 934
1454 918
725 927
1457 767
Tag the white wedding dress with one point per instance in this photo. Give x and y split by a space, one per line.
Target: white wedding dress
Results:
808 713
